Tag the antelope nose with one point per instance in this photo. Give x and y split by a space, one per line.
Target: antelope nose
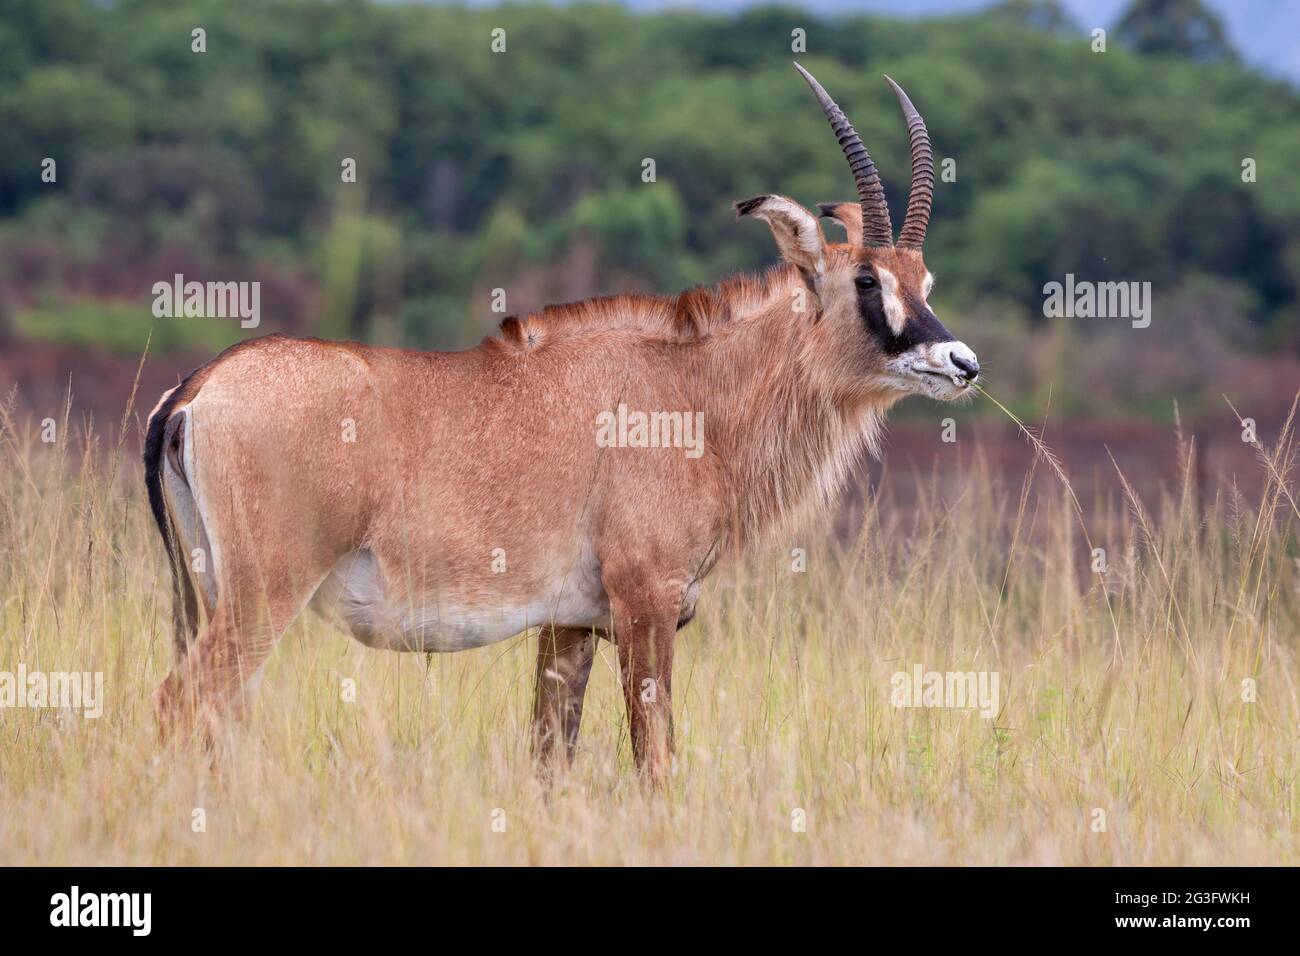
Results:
970 368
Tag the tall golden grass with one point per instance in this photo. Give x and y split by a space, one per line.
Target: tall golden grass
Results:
1120 692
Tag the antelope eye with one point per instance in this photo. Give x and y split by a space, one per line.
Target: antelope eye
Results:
866 281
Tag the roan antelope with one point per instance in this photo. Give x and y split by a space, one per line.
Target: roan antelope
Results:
463 458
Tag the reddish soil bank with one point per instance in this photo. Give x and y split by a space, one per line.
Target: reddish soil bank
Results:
100 381
914 450
1146 453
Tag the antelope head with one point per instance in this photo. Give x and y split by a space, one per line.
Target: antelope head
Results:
874 333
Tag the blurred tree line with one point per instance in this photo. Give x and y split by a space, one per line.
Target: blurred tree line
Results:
523 169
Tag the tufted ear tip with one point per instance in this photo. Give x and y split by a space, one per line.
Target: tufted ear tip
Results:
746 206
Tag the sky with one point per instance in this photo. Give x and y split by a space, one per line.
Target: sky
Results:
1265 32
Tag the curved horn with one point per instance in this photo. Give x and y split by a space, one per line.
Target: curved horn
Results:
876 228
921 196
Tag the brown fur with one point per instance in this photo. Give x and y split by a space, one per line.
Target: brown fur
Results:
460 454
685 317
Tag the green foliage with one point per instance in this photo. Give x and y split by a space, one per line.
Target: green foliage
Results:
1175 28
471 162
122 327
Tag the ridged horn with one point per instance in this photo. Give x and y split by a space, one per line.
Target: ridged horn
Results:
920 197
876 228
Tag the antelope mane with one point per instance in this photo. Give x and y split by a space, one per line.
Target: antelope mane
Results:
684 317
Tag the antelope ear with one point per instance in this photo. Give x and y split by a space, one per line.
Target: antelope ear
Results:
798 235
848 215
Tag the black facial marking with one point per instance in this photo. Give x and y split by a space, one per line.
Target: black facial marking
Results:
920 325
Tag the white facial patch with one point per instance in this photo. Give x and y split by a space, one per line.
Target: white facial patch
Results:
945 357
894 314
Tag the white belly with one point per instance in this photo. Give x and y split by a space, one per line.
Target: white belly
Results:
356 592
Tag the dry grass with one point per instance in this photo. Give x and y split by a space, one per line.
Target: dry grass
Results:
783 699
